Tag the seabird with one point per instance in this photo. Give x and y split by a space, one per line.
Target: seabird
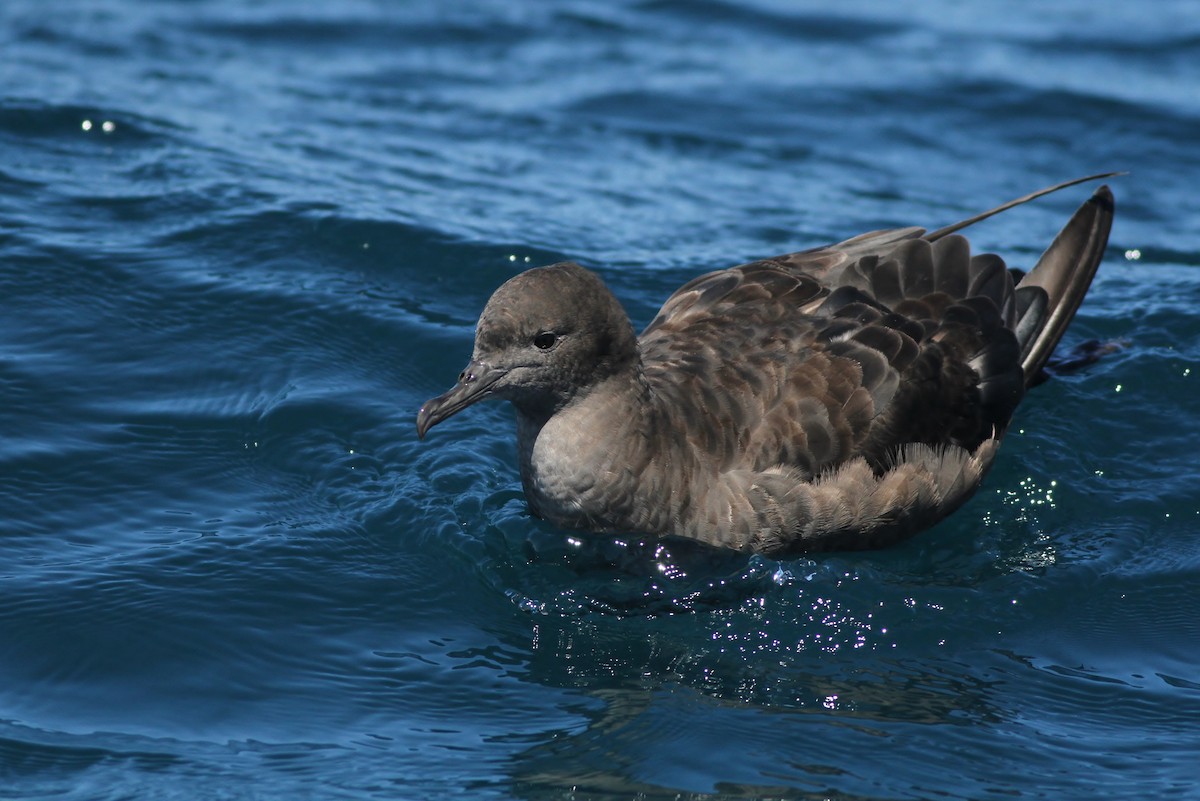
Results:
838 398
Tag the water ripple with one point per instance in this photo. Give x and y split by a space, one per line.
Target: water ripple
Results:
241 243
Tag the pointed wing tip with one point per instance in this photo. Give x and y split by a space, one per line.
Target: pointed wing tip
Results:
1104 197
1065 272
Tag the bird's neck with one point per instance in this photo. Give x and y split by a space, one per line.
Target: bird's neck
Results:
622 382
568 453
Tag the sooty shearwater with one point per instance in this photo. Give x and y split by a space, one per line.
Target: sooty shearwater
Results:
844 397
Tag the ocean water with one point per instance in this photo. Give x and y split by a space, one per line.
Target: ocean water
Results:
241 241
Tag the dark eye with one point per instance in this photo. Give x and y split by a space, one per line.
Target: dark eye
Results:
545 340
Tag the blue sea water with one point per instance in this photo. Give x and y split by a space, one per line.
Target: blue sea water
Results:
242 240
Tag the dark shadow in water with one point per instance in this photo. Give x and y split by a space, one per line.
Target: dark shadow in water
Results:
643 626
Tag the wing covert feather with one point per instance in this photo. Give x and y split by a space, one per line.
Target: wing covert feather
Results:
907 347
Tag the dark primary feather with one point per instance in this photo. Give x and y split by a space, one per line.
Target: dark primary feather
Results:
842 397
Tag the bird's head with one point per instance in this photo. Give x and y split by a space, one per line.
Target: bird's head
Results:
545 336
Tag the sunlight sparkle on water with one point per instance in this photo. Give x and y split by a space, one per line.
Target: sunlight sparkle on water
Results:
107 126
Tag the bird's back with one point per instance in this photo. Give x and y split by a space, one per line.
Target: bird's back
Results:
849 356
